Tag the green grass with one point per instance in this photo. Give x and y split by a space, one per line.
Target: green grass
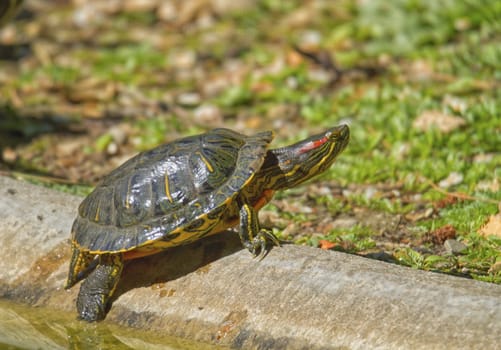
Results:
355 239
431 52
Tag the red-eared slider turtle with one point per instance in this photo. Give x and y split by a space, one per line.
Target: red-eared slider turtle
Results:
180 192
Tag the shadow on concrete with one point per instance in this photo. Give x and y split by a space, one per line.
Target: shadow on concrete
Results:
176 262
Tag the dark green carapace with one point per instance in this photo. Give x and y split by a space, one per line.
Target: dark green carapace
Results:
180 192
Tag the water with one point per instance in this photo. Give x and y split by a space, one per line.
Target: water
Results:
24 327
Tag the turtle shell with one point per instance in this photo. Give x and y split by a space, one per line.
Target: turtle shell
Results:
170 195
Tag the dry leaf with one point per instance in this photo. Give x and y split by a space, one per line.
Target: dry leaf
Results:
419 214
454 178
455 103
436 119
139 5
492 186
441 234
421 70
91 90
92 110
325 244
492 227
495 268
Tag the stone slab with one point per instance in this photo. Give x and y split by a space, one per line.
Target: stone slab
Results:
215 292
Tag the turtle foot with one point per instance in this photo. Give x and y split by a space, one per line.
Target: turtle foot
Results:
258 246
91 307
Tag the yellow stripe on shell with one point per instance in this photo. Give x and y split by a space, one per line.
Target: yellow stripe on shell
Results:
206 162
167 189
96 217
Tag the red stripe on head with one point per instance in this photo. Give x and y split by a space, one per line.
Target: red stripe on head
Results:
313 145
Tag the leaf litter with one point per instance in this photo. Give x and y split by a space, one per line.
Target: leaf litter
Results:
127 75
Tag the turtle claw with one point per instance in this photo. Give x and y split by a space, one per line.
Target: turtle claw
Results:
260 243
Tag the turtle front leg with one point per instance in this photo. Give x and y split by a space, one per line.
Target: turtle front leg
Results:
97 289
253 237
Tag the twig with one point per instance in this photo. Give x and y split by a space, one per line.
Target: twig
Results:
458 195
40 178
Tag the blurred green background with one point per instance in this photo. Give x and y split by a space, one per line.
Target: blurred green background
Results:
84 85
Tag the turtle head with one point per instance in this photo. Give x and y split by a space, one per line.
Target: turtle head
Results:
312 156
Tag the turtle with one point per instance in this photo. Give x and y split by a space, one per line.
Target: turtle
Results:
180 192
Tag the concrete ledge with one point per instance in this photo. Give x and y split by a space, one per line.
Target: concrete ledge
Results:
215 292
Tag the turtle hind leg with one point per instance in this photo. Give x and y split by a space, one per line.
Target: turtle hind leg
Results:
81 264
97 289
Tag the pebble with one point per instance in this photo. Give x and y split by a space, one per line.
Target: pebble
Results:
310 39
184 59
68 148
112 149
167 11
345 222
292 83
454 247
319 75
139 5
118 134
453 179
8 35
225 6
208 114
444 123
483 158
88 14
189 99
370 192
9 155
